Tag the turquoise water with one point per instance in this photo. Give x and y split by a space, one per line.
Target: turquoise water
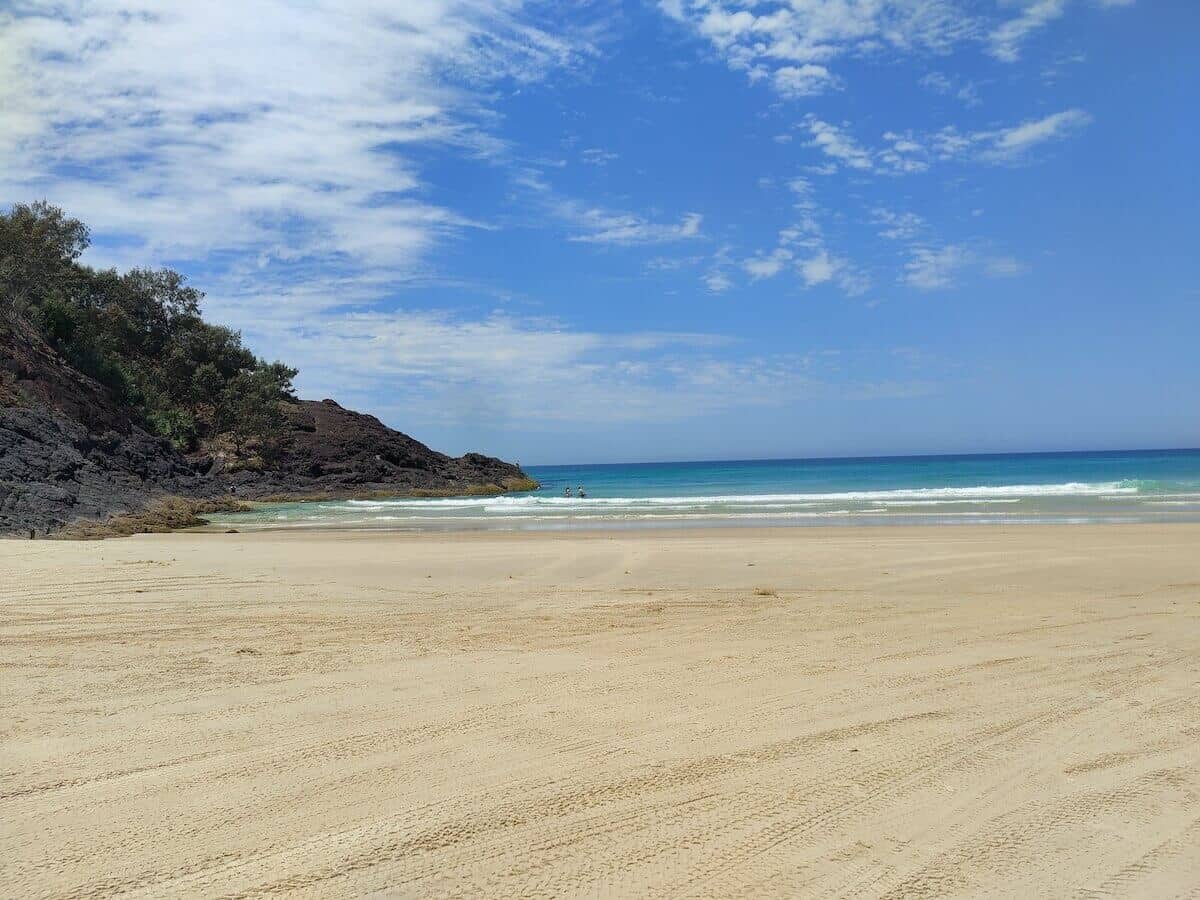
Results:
1125 486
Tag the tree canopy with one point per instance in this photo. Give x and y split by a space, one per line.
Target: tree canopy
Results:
140 334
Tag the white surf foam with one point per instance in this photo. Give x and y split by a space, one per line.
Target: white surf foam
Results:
993 493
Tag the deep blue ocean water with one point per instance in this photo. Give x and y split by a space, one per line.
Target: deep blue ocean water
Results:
1118 486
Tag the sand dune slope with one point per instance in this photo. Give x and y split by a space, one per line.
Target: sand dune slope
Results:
899 712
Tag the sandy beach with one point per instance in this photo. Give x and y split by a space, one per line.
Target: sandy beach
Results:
903 712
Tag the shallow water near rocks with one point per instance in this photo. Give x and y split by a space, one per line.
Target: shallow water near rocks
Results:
1118 486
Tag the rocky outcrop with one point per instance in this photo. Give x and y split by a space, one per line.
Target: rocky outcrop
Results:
334 451
55 470
69 453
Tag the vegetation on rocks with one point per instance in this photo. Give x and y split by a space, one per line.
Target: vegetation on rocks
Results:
140 334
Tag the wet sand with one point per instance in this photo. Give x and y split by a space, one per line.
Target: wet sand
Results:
907 712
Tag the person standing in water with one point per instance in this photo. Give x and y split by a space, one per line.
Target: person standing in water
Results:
582 492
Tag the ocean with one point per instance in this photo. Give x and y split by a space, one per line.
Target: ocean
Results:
1117 486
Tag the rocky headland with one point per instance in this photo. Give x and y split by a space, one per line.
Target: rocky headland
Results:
70 454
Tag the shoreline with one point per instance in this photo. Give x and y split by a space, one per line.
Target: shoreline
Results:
711 526
673 533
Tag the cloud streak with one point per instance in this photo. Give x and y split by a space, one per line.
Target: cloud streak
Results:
939 267
185 129
911 153
601 227
522 373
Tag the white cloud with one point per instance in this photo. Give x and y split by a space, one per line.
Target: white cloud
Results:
1006 39
800 186
938 267
791 45
504 372
671 263
717 281
806 233
904 156
818 269
1009 143
594 156
902 226
595 225
769 265
835 143
935 268
823 169
951 86
802 81
908 153
821 268
182 127
801 247
901 154
282 159
603 227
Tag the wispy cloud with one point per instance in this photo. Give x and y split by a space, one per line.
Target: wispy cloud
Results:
594 156
952 86
1014 142
767 265
1005 40
822 267
503 372
791 46
717 279
802 81
897 226
795 47
180 127
900 154
297 189
909 153
602 227
938 267
802 249
838 145
934 268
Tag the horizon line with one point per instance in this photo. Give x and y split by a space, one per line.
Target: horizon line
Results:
868 457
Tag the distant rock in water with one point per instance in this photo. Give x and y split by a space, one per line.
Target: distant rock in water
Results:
68 452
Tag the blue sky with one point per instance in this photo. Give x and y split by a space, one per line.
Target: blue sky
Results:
637 230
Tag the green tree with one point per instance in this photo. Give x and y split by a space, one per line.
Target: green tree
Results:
39 245
141 334
250 407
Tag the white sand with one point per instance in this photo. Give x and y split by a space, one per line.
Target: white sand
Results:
907 712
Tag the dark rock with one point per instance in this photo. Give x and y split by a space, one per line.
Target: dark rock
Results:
333 450
53 471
